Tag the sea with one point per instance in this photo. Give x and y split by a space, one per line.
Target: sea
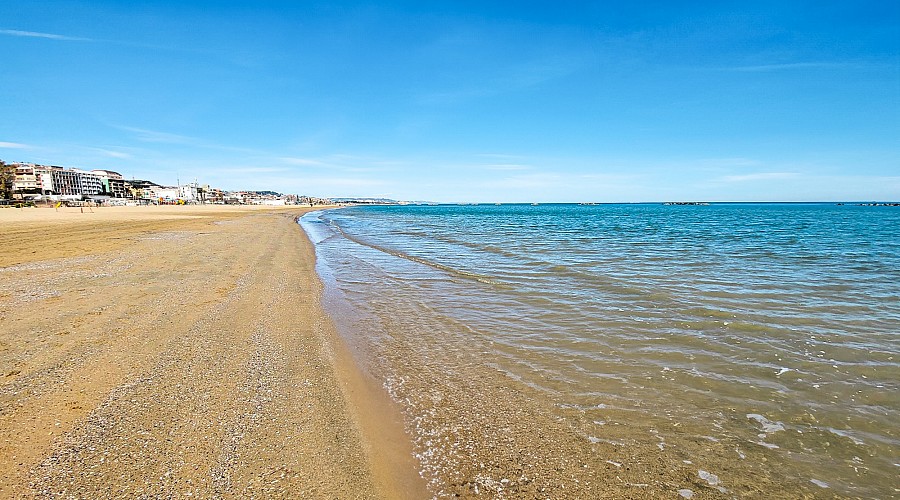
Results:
749 349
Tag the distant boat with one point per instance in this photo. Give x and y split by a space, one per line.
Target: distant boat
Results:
535 204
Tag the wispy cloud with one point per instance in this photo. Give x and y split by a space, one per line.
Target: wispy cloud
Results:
759 176
112 154
305 162
14 145
529 181
611 178
502 80
159 137
728 162
508 166
124 43
145 135
347 182
36 34
791 66
342 162
501 157
253 170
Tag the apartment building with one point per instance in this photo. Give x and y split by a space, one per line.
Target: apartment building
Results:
53 180
89 184
65 182
26 180
112 183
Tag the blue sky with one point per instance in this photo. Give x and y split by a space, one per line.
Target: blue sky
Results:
469 101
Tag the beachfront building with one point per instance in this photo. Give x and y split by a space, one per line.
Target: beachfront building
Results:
113 184
312 200
152 192
137 189
102 186
44 179
32 179
236 197
167 194
190 192
89 184
53 180
213 195
26 180
65 182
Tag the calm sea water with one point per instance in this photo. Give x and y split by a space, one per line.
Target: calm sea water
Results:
767 330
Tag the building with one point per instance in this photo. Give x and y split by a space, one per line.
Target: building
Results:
102 185
65 182
113 184
26 181
89 184
141 189
166 194
214 195
190 192
32 179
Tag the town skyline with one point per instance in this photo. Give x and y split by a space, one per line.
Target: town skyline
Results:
470 102
22 182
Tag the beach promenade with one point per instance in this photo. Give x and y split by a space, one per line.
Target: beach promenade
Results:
173 351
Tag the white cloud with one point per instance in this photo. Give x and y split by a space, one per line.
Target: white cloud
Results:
35 34
791 66
302 161
729 162
507 166
14 145
529 181
500 156
345 182
145 135
155 136
759 176
113 154
252 170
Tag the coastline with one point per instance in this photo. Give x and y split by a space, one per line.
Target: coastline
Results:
174 350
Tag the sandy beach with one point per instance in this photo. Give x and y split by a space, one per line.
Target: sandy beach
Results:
175 351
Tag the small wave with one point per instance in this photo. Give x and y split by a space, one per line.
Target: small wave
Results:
845 434
768 427
488 280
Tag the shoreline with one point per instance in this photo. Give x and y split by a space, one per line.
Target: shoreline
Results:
167 350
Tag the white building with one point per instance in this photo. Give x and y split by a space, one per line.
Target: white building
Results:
89 183
190 192
166 193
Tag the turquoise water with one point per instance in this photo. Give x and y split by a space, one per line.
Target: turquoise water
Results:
768 330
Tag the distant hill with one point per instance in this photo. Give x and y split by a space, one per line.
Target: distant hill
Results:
380 201
371 201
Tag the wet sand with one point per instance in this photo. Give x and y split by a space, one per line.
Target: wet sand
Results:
168 351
